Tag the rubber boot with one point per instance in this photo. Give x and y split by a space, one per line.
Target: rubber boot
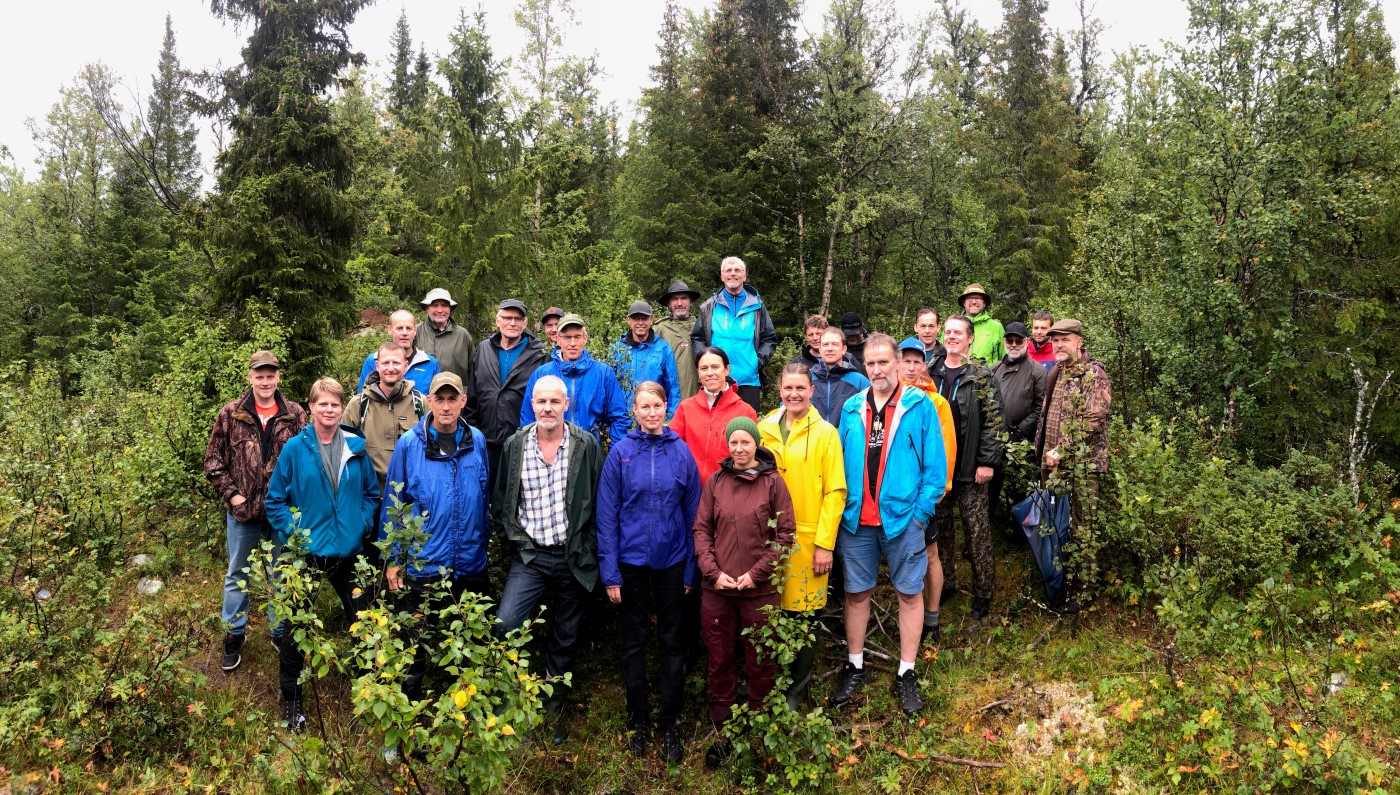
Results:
801 678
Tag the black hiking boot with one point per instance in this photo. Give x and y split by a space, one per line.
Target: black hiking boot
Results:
906 689
233 652
852 680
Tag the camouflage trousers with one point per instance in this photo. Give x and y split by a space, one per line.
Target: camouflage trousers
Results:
971 501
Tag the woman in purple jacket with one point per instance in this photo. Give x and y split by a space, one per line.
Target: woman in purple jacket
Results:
647 498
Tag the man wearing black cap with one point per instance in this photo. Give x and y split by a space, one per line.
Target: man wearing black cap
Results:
248 435
448 342
496 391
1022 384
642 356
854 330
676 331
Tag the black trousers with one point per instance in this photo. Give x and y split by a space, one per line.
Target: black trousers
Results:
547 578
340 573
424 597
647 591
750 394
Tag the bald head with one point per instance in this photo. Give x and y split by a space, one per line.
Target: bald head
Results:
402 328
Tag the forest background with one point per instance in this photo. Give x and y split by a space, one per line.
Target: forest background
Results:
1224 217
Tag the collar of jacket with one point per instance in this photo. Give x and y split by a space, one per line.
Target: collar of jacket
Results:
752 300
375 389
763 462
575 368
421 431
446 329
1033 347
247 407
666 435
846 365
628 340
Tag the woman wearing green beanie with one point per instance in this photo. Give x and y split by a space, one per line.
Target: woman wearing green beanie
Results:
744 524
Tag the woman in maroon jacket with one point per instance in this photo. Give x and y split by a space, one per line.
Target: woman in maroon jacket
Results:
744 524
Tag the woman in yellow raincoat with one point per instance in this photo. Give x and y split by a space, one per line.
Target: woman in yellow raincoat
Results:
808 451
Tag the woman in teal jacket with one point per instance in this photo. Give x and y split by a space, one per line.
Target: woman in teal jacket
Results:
325 474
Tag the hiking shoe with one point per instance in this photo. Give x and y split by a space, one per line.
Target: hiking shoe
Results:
233 652
390 756
717 753
671 749
292 714
946 596
934 632
641 735
981 606
852 680
906 689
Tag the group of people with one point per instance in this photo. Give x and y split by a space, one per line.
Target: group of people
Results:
701 517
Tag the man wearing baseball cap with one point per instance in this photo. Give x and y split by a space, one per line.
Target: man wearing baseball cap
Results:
248 435
596 399
642 356
679 298
1021 380
496 390
549 324
987 332
1078 396
439 336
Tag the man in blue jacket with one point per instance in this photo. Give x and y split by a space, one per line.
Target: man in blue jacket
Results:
896 471
735 320
835 379
422 366
325 474
596 400
642 356
438 472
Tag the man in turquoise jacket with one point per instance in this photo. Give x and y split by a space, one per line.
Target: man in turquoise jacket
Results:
896 471
596 400
735 320
325 474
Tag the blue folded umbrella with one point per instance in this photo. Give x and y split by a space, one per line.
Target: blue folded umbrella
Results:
1044 518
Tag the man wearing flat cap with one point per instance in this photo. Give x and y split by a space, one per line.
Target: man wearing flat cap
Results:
643 356
1075 417
248 435
987 332
675 330
439 336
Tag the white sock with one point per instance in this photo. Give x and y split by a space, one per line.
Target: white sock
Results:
905 666
858 660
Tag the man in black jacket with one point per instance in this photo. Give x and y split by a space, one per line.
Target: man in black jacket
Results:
972 394
1021 381
502 367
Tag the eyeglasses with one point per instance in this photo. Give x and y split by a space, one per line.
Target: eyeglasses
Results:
1015 340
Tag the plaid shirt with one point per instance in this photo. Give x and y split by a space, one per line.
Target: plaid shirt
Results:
1076 411
542 488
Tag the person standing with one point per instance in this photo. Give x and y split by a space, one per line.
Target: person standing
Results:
596 400
496 392
895 475
248 435
549 324
987 330
701 420
422 366
972 393
812 329
914 373
744 524
643 356
676 331
440 466
1078 397
1021 383
543 504
325 475
926 331
735 320
387 408
853 329
807 452
1040 349
443 339
647 498
836 378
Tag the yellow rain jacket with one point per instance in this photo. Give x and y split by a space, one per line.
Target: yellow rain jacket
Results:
945 423
811 465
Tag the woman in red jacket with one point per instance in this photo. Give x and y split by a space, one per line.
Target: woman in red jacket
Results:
701 419
744 524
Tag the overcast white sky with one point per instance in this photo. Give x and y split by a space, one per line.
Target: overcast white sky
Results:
49 41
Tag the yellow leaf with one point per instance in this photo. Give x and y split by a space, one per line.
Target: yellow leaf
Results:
460 699
507 730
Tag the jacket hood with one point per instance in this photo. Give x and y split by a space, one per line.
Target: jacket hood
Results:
575 368
421 431
247 406
648 342
354 437
404 387
846 365
752 300
764 461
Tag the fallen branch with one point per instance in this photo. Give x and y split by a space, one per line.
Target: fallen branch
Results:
951 760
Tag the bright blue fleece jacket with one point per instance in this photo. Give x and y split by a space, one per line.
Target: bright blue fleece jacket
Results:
916 464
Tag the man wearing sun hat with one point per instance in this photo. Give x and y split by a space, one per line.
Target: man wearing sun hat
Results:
987 332
439 336
676 328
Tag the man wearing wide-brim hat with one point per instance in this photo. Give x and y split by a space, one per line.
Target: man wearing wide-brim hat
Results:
675 330
1072 440
439 336
987 332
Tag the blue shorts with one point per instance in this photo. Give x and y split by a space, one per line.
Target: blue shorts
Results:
860 555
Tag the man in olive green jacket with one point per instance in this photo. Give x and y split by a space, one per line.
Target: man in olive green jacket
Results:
450 343
676 331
